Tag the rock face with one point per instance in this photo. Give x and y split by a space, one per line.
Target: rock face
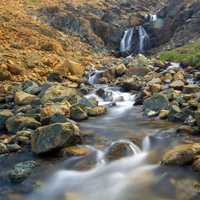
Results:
54 136
181 155
156 103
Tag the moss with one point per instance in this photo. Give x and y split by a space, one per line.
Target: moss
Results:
188 54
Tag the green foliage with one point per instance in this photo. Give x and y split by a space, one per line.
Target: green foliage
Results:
188 54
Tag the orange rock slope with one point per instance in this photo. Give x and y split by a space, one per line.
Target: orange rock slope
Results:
30 49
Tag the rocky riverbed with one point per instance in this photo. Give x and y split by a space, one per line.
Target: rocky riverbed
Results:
152 108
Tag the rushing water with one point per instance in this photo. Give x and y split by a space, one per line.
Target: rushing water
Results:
135 177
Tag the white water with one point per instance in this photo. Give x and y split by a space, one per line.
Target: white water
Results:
126 42
153 18
144 39
94 76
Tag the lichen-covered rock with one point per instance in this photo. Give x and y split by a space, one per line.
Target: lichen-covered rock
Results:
77 113
21 171
156 103
56 91
4 115
55 109
54 136
181 154
96 111
17 123
23 98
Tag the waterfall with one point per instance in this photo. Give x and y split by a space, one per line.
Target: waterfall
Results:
126 42
144 39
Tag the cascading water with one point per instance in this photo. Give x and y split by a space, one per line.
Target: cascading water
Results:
130 44
144 39
126 42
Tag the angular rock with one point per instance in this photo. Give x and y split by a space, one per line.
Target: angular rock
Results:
77 113
54 136
23 98
156 103
17 123
56 109
31 87
4 115
181 154
55 91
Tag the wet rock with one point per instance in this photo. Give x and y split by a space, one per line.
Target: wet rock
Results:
96 111
119 150
13 147
55 91
21 171
54 136
156 103
3 148
163 114
16 123
4 115
31 87
77 113
192 88
23 98
181 154
51 111
76 151
23 136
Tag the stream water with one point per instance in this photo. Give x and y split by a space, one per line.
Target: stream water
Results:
135 177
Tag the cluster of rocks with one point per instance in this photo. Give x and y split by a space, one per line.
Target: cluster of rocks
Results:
43 116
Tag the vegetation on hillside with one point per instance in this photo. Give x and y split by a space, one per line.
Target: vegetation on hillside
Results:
188 54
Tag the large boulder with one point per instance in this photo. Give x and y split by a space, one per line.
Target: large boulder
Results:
4 115
17 123
181 155
156 103
55 91
54 136
23 98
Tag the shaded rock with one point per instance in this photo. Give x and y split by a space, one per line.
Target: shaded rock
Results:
77 113
13 147
3 148
96 111
156 103
181 155
31 87
4 75
54 136
23 98
192 88
21 171
4 115
56 91
16 123
196 165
